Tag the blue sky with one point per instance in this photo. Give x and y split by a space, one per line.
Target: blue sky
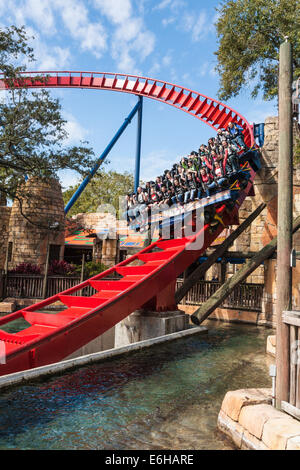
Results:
172 40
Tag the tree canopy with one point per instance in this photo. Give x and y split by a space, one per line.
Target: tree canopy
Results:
104 188
32 130
249 36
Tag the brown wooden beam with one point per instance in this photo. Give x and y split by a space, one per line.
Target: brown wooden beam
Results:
225 290
285 217
200 271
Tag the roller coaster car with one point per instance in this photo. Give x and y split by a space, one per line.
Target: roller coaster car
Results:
237 182
253 157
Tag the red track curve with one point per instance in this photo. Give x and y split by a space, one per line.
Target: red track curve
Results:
212 112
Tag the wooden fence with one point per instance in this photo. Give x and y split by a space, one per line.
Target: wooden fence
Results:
244 296
27 286
292 319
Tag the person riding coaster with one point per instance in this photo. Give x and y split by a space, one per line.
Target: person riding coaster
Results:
224 164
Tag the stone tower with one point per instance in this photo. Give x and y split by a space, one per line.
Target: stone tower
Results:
37 222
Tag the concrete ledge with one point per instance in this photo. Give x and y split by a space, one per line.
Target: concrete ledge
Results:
58 367
144 324
235 400
19 303
7 307
252 423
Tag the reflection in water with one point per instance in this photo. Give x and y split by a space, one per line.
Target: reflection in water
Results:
166 397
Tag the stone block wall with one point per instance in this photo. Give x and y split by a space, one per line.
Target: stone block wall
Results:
106 245
30 228
249 419
264 228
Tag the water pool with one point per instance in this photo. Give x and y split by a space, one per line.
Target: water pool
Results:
165 397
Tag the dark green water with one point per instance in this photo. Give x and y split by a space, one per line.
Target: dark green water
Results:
165 397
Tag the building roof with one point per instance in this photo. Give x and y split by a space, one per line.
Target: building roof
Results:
80 238
84 238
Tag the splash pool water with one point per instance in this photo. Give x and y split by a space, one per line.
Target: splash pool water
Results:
165 397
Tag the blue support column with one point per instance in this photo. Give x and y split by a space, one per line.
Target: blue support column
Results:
102 157
138 145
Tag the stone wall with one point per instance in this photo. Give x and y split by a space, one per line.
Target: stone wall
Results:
250 420
107 227
99 221
30 227
264 228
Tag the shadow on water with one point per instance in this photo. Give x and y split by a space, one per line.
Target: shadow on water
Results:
167 396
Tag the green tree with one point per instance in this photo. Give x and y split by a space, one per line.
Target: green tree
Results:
104 188
249 36
32 130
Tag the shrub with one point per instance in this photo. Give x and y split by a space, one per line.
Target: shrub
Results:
27 268
60 267
91 268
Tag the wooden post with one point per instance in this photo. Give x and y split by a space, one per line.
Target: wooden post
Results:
220 295
285 214
148 239
82 267
6 259
223 271
200 271
44 293
293 367
5 277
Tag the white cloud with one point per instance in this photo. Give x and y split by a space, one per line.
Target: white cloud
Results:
47 58
260 111
174 5
41 14
91 35
167 59
198 25
118 11
131 41
162 5
159 64
68 178
59 59
156 162
129 30
156 67
166 21
76 132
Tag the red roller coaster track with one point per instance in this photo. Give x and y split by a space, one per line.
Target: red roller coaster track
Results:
52 337
214 113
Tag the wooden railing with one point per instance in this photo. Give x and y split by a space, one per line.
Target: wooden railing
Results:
26 286
244 296
292 319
